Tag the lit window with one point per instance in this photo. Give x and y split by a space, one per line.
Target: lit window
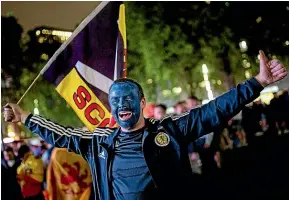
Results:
40 40
259 19
44 56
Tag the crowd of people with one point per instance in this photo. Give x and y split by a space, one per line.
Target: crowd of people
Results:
250 153
23 168
239 159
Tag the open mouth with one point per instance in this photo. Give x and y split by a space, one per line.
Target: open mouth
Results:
124 115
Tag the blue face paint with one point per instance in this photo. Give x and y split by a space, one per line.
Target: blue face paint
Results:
124 102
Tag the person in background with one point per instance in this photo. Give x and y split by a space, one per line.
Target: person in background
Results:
205 148
10 158
30 174
35 147
46 160
180 108
160 111
15 147
10 188
192 102
148 111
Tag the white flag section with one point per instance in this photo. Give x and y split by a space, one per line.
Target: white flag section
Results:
93 77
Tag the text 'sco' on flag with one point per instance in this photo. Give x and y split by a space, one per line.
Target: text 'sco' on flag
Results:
84 67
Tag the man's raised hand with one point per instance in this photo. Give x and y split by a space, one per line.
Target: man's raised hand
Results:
270 71
13 113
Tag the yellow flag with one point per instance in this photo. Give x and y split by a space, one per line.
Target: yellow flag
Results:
68 176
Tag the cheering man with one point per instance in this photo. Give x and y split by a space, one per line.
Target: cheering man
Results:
146 158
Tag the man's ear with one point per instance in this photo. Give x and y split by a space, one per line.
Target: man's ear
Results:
143 103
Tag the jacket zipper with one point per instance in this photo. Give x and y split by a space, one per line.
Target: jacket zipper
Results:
107 173
147 162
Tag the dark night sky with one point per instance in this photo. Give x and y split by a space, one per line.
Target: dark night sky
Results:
65 14
241 17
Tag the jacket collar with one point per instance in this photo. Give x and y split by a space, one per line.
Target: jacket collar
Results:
150 126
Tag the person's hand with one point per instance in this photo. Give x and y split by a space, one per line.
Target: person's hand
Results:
13 113
270 71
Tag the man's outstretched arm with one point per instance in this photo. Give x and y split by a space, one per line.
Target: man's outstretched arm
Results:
207 118
76 140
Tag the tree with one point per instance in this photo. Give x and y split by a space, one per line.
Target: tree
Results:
157 52
169 41
11 62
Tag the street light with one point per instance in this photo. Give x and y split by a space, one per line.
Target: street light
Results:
205 71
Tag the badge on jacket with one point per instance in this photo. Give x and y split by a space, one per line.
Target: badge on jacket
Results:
162 139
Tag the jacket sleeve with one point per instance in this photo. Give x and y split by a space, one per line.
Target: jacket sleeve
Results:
76 140
209 117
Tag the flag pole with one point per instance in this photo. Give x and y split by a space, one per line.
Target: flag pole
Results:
64 45
34 81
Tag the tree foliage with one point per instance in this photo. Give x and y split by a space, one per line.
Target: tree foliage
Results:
158 53
168 42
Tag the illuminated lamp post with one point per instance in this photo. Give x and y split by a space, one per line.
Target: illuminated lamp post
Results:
207 82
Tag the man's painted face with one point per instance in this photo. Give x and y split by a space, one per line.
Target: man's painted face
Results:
125 104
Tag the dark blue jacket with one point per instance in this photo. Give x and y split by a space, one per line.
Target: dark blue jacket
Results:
168 165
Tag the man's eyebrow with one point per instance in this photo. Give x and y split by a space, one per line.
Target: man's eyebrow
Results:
116 96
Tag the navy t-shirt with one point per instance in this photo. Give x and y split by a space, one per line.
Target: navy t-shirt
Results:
131 178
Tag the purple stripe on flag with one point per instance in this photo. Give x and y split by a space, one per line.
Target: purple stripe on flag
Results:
95 46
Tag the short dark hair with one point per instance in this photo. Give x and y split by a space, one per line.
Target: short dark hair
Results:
161 106
194 98
179 103
23 150
128 80
8 149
